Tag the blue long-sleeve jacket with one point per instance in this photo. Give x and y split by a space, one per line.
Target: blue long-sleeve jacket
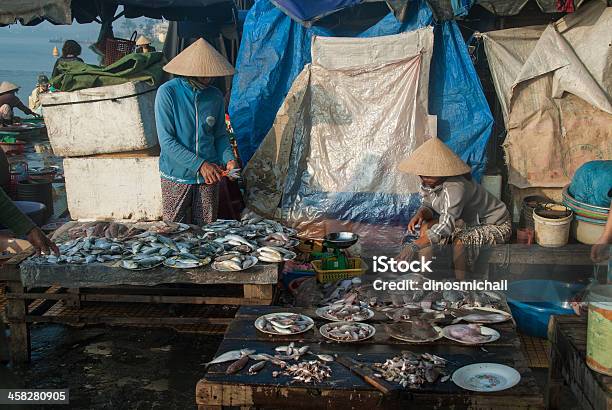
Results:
191 130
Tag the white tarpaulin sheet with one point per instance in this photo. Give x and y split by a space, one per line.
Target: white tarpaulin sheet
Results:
348 120
555 86
57 11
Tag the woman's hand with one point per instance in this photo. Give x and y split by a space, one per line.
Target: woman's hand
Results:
41 242
417 219
231 165
211 173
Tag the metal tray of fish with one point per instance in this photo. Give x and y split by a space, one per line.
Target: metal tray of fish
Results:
414 332
347 332
471 334
182 262
284 323
482 315
360 314
234 263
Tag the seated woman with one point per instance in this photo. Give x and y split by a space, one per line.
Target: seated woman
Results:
455 209
42 87
71 50
8 101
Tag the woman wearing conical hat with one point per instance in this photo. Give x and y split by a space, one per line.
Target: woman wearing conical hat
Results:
8 101
455 209
195 147
143 45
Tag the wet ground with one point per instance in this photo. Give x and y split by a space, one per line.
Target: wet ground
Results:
115 368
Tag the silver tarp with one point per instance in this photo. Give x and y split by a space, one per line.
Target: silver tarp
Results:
350 117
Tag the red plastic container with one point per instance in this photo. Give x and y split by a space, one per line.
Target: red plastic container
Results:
13 148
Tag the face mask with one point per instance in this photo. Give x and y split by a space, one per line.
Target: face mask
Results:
429 190
197 84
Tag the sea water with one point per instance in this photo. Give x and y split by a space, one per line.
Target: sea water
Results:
25 52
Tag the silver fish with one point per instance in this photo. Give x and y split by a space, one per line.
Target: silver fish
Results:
325 357
232 355
257 367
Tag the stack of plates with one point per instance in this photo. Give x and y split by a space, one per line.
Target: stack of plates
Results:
589 220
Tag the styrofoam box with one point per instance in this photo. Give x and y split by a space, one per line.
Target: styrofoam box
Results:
102 120
113 188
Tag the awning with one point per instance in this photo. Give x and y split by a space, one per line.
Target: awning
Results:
32 12
35 11
308 12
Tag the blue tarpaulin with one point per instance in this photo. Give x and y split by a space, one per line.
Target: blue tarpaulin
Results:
307 12
274 49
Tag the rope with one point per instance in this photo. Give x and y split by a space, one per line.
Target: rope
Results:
100 99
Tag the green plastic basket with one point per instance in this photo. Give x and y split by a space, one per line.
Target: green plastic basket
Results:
356 267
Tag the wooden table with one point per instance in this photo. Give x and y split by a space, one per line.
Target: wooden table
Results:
567 336
518 254
78 284
344 390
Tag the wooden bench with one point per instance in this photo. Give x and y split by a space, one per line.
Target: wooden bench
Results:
344 390
84 288
567 336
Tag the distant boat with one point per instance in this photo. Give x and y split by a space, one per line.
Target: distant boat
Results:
61 40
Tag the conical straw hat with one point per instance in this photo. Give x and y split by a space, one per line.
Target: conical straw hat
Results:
5 87
199 60
434 159
142 40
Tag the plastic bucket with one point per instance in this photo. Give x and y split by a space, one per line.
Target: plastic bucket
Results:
530 203
552 226
599 331
36 191
586 232
532 302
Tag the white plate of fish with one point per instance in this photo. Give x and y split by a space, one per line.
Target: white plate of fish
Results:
486 377
418 331
186 262
234 263
275 254
482 315
284 323
347 313
347 332
413 312
470 334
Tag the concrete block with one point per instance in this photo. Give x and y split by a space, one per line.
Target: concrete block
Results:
113 188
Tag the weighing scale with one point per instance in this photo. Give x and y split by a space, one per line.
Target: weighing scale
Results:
336 242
